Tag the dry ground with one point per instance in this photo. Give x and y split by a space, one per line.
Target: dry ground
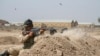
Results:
74 42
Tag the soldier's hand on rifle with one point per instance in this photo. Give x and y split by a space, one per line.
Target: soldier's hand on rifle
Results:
25 32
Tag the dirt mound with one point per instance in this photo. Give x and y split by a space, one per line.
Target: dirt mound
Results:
74 42
8 40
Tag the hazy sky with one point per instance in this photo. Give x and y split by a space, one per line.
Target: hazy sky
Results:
50 10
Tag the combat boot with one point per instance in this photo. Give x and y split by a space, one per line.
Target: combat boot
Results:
5 53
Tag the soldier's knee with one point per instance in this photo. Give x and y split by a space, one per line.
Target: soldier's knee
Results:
13 51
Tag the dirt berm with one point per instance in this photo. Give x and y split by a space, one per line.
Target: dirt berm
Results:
70 43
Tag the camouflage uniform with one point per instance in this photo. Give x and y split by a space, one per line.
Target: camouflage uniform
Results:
25 39
26 45
29 41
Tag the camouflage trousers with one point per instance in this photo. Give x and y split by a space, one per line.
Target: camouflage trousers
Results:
14 51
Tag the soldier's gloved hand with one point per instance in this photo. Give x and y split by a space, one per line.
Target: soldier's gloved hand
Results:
25 32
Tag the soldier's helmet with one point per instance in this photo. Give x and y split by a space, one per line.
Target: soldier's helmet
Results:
28 22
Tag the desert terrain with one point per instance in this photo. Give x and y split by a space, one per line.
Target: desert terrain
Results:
73 42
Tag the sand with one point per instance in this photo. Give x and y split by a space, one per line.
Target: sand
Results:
74 42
